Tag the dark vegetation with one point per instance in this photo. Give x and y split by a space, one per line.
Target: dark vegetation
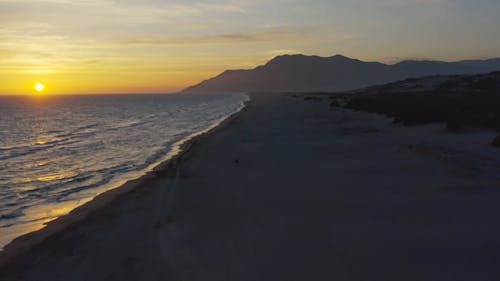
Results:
459 101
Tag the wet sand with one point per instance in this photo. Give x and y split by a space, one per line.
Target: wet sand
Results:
289 189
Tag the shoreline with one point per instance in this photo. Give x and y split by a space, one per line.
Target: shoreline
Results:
25 242
291 189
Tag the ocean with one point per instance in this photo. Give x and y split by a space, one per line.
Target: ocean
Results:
59 152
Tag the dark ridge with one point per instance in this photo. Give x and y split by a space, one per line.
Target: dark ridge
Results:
298 73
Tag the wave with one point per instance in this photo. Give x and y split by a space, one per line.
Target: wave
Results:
35 148
100 148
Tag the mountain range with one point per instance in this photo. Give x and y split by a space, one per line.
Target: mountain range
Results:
297 73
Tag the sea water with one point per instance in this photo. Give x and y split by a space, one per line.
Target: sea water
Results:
58 152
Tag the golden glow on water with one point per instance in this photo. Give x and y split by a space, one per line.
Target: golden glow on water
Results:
42 162
50 178
50 212
37 219
55 177
22 180
51 181
54 213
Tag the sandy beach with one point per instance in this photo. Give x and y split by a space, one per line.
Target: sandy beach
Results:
289 189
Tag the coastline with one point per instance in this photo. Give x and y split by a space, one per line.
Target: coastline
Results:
25 242
289 189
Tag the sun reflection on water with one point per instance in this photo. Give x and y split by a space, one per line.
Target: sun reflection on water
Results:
56 177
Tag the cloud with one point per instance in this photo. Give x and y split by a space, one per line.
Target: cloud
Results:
265 36
110 14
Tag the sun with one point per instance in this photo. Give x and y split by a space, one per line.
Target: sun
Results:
39 87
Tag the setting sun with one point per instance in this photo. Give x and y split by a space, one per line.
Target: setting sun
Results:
39 87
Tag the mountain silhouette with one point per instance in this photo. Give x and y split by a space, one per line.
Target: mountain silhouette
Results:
336 73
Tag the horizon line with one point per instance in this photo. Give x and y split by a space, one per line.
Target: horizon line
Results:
88 94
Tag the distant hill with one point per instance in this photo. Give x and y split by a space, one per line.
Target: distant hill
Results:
337 73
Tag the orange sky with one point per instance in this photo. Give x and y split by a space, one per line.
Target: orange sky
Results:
132 46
